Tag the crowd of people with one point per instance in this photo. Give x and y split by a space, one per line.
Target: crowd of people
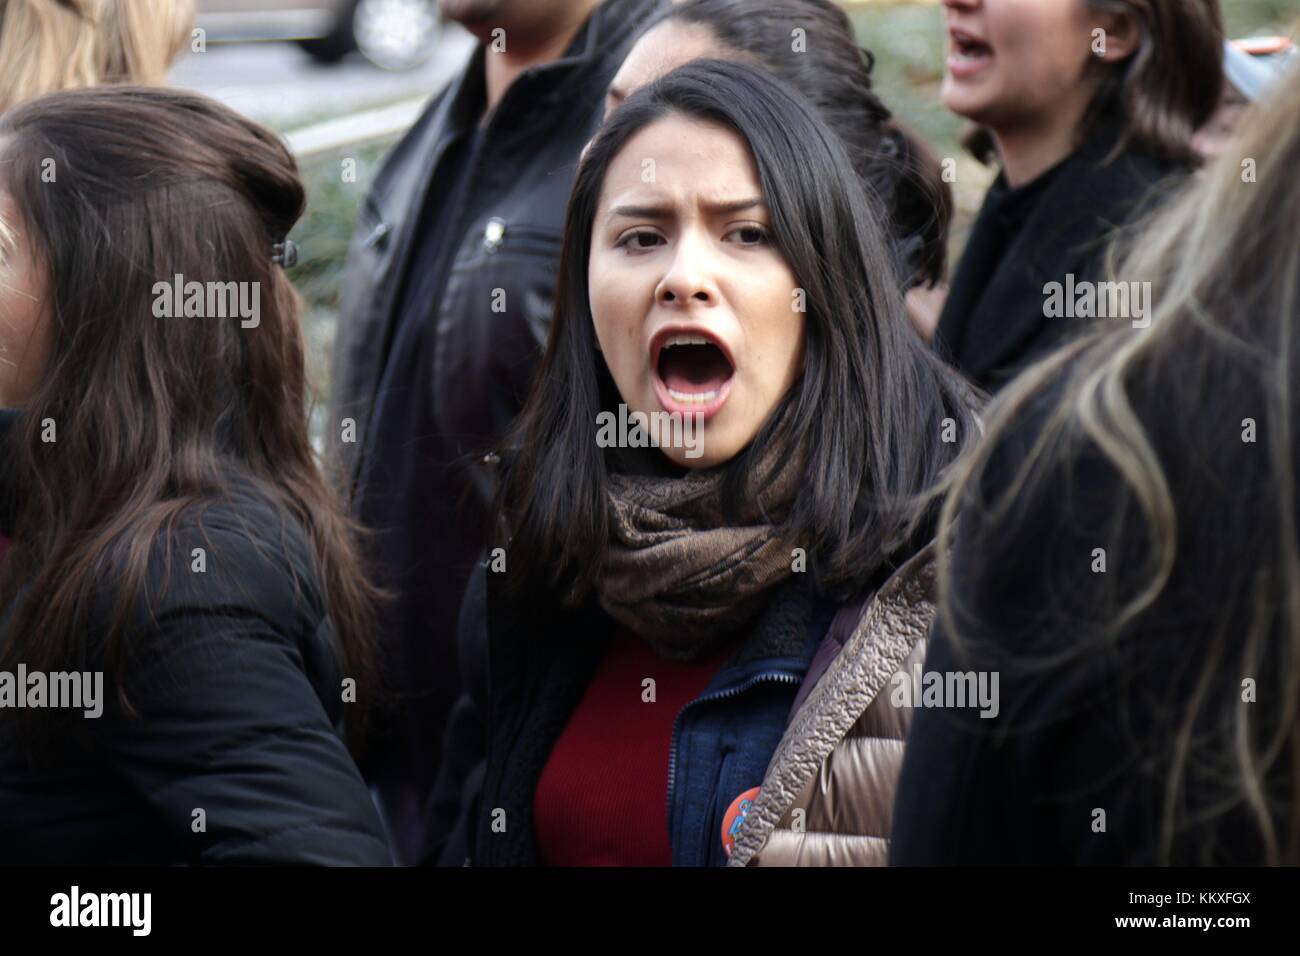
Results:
996 568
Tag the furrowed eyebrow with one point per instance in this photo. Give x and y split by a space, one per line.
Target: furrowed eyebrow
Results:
640 212
737 205
665 211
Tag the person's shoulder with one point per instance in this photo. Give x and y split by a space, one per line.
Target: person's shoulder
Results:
1131 179
1147 182
238 553
900 610
404 163
911 586
1035 520
1106 183
1053 402
1038 461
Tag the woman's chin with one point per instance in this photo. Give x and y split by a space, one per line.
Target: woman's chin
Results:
702 463
712 446
960 100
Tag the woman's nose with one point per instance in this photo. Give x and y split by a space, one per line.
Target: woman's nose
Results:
670 293
688 279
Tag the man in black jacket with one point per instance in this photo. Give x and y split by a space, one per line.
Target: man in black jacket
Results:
444 311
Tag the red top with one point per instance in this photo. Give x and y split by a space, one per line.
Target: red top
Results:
602 799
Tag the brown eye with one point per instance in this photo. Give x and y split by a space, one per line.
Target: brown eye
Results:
640 240
750 235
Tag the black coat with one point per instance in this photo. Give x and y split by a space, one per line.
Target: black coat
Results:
235 676
508 221
994 322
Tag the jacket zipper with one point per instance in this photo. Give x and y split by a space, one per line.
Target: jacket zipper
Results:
778 677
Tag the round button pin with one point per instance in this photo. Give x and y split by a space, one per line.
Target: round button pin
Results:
735 816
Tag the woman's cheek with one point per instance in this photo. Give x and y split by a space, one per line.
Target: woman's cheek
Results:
617 329
604 306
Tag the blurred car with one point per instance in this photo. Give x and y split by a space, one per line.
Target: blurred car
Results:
392 34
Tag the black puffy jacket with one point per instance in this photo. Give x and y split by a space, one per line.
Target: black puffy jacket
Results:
236 756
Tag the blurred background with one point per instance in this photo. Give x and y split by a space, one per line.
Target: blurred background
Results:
341 79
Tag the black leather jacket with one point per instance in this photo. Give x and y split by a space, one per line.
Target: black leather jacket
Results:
509 218
512 218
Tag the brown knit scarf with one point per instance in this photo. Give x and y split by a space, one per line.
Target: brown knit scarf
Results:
676 574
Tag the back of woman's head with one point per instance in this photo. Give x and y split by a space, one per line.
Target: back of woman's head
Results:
122 190
810 46
51 45
1192 424
1171 84
175 357
873 417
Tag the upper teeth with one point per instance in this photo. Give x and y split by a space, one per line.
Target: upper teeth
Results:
686 340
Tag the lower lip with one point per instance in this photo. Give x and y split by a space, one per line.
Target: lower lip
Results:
962 67
706 409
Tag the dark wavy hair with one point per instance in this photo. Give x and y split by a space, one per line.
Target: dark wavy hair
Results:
155 415
867 417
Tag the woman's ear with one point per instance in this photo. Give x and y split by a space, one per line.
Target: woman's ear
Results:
1116 37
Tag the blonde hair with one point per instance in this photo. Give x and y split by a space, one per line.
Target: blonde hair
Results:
1162 407
48 45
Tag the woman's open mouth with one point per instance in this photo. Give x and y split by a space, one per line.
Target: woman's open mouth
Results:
693 371
967 53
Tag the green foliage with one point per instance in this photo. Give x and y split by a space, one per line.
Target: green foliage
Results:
322 236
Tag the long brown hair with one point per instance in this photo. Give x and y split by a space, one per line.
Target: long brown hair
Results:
118 189
1171 84
1196 418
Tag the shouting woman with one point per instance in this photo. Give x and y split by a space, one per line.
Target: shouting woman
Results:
662 630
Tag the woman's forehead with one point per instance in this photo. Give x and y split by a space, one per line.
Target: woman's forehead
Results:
682 156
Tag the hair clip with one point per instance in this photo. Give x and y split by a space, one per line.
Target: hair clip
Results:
285 253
